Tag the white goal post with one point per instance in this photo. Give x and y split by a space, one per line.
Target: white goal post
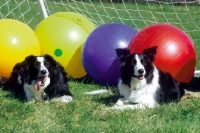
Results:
43 8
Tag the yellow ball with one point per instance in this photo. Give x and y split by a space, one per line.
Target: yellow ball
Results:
61 35
17 40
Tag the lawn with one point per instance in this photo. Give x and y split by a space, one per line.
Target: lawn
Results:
87 114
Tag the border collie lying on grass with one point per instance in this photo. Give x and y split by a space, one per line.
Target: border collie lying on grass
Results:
142 83
41 78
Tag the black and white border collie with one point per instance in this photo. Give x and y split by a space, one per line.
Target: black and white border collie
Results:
41 78
142 83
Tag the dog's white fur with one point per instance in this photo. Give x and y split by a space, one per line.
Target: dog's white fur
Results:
42 67
34 95
197 73
145 85
140 93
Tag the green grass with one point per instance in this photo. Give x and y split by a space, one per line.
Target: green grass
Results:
137 16
87 113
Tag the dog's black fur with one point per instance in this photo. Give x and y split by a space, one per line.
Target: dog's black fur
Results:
138 81
26 71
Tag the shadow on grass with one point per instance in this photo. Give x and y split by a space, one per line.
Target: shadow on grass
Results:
85 80
20 96
108 101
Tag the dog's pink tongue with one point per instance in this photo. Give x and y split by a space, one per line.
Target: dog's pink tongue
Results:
37 85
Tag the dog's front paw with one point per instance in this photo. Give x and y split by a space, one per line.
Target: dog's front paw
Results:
115 107
63 99
119 102
66 99
127 107
30 101
197 74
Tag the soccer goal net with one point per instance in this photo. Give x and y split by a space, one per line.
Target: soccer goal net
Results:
138 14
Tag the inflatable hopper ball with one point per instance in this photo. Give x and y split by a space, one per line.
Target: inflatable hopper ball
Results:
17 40
99 57
61 35
175 54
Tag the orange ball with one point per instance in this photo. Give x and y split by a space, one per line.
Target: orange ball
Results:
176 53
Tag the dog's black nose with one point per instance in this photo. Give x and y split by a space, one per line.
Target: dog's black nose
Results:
141 71
43 72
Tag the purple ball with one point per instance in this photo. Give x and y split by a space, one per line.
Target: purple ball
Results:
98 52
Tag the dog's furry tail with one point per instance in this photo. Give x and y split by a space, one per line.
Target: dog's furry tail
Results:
3 80
101 91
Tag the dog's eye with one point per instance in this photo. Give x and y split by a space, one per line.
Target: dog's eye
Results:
36 64
143 62
133 62
46 64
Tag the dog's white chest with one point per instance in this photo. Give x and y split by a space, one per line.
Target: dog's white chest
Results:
145 94
33 94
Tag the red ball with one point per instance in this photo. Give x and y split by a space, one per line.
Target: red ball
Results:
176 53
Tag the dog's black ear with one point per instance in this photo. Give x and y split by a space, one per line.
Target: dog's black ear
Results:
56 66
122 53
26 63
20 70
151 52
57 70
